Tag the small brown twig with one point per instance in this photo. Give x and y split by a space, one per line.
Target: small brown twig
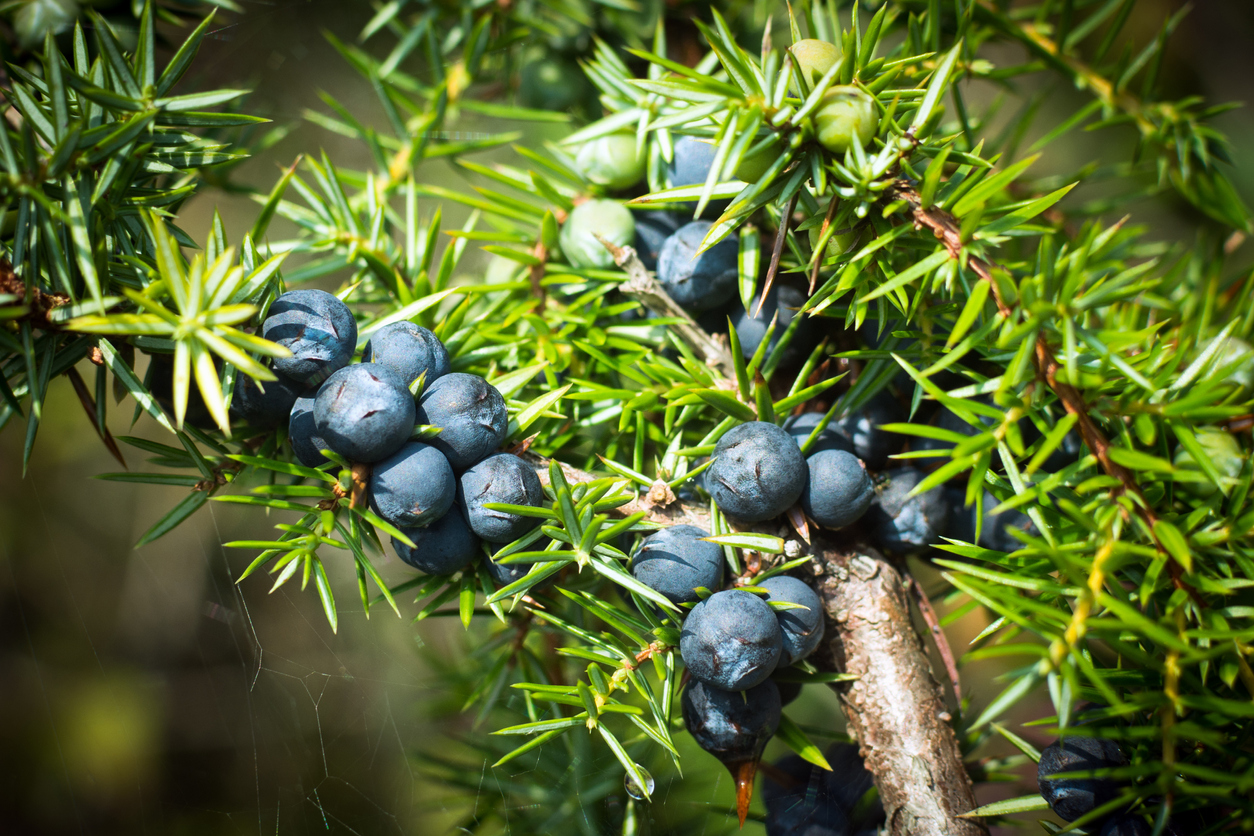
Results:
646 290
361 485
777 252
38 303
947 230
89 406
938 634
218 479
818 256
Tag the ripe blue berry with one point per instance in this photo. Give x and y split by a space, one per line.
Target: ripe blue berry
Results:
675 561
412 487
830 438
691 161
578 238
785 301
801 629
160 382
690 166
904 526
264 410
839 490
788 691
996 531
731 640
652 230
1067 453
307 444
317 328
409 350
503 574
698 282
1071 798
471 416
733 726
503 478
961 525
863 428
758 472
364 412
442 548
945 420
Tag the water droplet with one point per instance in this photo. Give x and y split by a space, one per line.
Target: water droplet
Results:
633 788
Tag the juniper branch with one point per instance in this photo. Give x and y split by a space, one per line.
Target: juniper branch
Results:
948 230
896 708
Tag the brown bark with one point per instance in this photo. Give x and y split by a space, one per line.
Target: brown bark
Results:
895 709
39 303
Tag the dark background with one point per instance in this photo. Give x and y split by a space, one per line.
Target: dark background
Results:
144 692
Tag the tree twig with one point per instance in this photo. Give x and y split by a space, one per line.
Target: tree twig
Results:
39 303
895 708
820 251
646 290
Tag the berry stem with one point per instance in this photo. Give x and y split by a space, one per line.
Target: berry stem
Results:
743 774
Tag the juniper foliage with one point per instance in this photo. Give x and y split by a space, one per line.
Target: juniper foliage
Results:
971 284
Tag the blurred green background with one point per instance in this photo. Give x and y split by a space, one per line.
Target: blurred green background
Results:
144 692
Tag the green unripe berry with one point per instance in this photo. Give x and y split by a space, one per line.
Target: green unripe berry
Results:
611 161
607 218
753 166
845 112
552 83
1239 357
813 59
841 242
1223 450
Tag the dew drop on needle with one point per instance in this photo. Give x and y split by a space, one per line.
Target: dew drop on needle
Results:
634 789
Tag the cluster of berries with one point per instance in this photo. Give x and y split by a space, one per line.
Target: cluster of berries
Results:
435 490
